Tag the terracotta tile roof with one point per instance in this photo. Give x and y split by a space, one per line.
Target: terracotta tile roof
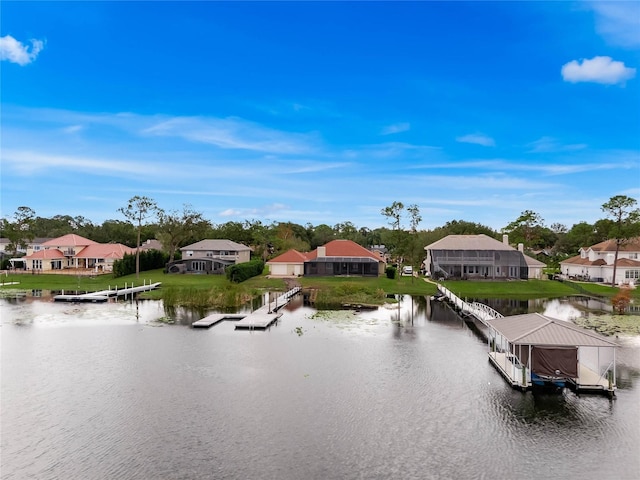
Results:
632 245
49 254
335 248
106 250
70 240
344 248
291 256
622 262
628 262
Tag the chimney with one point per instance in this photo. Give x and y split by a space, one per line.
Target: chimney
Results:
521 247
322 252
505 239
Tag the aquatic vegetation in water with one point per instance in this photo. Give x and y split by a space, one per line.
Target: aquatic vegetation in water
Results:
224 297
611 324
167 320
346 319
350 293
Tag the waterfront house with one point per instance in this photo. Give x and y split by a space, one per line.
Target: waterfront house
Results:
476 256
338 257
210 256
71 253
151 244
595 263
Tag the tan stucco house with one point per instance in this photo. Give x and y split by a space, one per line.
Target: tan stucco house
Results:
73 252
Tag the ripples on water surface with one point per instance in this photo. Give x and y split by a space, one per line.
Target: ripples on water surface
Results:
103 391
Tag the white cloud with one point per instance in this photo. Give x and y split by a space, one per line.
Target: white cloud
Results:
16 52
232 133
395 128
550 144
73 129
618 22
478 139
597 70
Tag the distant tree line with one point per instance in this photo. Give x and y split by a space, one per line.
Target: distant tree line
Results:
404 241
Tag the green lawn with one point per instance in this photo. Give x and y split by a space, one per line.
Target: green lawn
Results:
529 289
404 285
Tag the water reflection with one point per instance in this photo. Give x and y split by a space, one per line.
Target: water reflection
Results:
399 392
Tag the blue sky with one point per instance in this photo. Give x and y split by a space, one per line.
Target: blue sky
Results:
321 112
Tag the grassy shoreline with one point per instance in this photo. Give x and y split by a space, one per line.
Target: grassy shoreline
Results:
363 290
215 291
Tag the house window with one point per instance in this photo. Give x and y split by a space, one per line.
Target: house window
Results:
36 264
633 255
56 265
632 274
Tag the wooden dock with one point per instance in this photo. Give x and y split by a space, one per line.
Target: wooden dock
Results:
104 295
260 319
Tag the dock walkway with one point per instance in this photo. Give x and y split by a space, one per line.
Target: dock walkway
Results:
478 310
259 319
104 295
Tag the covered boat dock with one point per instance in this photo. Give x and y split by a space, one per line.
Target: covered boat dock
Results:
531 349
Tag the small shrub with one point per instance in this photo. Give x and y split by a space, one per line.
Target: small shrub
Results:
244 271
390 272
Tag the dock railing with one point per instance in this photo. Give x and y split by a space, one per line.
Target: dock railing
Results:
482 312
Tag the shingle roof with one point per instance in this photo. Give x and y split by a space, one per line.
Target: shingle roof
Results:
151 244
344 248
215 244
538 329
533 262
69 240
468 242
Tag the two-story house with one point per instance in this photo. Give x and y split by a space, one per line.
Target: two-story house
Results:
479 256
210 256
595 263
73 252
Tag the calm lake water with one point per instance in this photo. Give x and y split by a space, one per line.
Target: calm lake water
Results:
104 391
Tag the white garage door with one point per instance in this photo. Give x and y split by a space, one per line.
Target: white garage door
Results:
279 269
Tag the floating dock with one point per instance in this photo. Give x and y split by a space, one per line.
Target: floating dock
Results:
260 319
104 295
211 320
